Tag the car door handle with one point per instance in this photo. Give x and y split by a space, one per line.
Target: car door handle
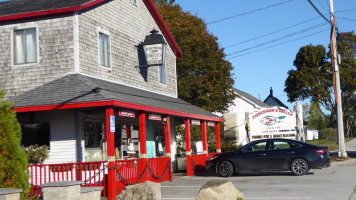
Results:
290 151
262 154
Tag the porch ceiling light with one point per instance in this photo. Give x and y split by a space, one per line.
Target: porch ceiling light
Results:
155 49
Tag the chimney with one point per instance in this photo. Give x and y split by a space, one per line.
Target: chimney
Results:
271 92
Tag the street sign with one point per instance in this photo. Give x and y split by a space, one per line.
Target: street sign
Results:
112 123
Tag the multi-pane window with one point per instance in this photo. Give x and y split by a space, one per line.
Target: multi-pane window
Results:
25 46
104 50
162 74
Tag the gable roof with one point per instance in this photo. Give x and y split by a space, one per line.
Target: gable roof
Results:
21 9
251 98
79 91
273 101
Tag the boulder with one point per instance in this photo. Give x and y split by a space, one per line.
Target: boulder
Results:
219 189
144 191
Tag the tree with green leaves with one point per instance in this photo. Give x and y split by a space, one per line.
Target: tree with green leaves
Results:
13 161
315 117
203 74
313 77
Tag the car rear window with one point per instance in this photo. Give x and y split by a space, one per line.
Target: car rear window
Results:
295 145
281 145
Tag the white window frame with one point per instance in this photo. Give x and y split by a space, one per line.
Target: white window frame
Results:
107 33
13 48
160 74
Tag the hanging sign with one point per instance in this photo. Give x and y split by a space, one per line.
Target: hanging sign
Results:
126 113
154 117
154 54
112 123
195 122
211 123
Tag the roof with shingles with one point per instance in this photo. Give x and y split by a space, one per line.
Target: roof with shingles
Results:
14 7
21 9
78 88
273 101
251 98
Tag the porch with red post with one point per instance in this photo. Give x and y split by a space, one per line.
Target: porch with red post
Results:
167 136
110 143
217 135
143 147
204 137
188 150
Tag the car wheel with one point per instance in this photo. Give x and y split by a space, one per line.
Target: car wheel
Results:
299 167
225 169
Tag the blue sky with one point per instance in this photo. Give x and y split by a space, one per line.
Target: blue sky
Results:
256 72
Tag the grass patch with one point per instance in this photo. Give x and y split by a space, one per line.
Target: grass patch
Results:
332 144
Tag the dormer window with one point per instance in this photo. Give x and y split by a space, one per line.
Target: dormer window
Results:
25 46
104 50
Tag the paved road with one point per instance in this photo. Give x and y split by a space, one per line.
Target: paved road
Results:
337 182
334 183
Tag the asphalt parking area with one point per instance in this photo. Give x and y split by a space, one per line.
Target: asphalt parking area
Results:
337 182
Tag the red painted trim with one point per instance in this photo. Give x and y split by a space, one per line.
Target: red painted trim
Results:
162 26
110 143
167 134
142 132
118 104
50 12
204 137
217 135
150 6
188 149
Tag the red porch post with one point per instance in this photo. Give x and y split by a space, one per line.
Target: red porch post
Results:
218 143
167 136
142 133
205 142
188 150
110 146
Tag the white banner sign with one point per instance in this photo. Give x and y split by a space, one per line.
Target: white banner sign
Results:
274 122
195 122
211 123
154 54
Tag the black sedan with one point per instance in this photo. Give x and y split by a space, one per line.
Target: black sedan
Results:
270 155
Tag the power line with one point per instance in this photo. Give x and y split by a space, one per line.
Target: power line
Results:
351 10
238 15
311 3
280 38
278 44
347 19
271 32
322 5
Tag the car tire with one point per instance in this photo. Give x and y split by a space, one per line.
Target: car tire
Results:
299 167
225 169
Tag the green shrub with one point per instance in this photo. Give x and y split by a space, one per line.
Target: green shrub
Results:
230 146
13 161
328 134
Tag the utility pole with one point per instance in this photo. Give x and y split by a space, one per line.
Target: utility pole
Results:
299 122
340 121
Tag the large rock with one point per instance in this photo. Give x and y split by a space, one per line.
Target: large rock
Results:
219 189
144 191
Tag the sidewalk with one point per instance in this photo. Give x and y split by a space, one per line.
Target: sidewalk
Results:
351 145
351 154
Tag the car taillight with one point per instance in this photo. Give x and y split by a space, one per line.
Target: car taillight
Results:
319 151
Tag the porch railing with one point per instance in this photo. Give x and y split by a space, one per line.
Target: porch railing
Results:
128 172
90 173
134 171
